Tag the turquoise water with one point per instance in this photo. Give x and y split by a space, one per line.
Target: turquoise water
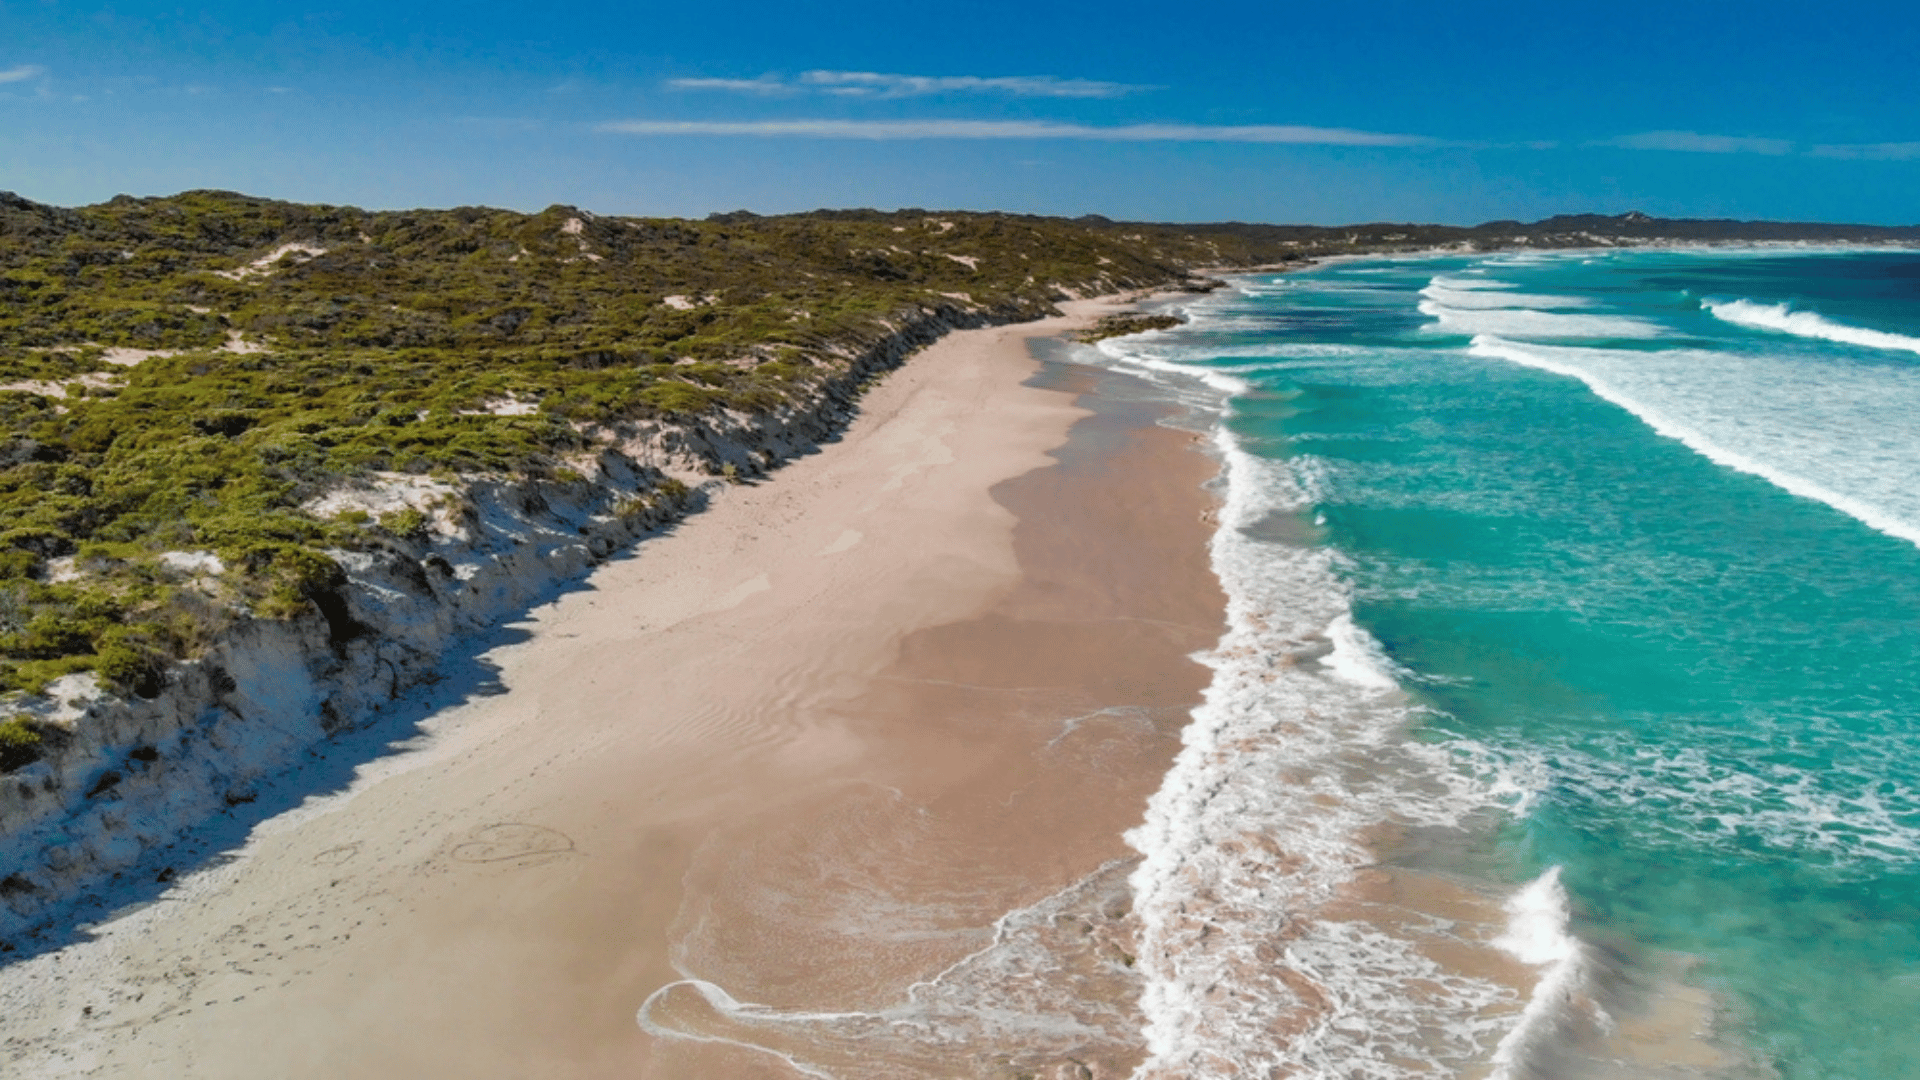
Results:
1639 535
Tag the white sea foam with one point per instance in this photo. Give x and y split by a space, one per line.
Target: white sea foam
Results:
1049 985
1465 282
1695 797
1533 324
1845 436
1467 294
1297 752
1257 827
1357 657
1200 389
1537 935
1256 287
1807 324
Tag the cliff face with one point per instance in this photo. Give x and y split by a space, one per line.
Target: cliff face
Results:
126 776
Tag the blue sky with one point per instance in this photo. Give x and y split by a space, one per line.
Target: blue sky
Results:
1305 111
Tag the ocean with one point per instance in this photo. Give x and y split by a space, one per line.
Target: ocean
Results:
1569 720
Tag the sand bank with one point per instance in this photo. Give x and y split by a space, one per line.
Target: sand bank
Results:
805 748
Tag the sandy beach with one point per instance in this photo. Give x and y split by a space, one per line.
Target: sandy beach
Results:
806 749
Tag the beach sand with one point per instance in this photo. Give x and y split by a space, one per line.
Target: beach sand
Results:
807 747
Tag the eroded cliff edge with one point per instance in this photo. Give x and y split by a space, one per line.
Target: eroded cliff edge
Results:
123 776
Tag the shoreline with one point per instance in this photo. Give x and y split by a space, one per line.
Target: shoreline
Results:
538 830
1492 974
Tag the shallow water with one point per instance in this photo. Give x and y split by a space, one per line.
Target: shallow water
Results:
1595 571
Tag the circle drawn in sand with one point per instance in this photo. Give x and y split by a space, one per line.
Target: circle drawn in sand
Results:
334 856
509 841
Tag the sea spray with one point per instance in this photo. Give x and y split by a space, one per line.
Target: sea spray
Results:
1535 322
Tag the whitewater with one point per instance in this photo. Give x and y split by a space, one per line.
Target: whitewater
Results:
1582 583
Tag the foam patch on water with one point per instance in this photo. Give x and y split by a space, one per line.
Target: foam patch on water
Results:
1470 294
1357 658
1464 281
1779 318
1531 324
1846 817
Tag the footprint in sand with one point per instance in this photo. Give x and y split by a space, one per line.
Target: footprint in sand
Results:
512 840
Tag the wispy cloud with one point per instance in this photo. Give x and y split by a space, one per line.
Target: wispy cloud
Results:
763 85
876 84
880 130
1887 151
1692 142
21 73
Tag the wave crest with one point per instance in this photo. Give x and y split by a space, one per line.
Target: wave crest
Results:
1779 318
1577 363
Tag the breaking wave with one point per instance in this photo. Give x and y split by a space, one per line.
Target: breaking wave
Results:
1807 324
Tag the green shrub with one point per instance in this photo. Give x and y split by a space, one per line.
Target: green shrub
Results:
680 399
21 743
50 636
407 524
127 665
33 676
283 603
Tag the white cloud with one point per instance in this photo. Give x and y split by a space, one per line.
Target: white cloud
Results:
1692 142
766 84
1889 151
1016 129
21 73
877 84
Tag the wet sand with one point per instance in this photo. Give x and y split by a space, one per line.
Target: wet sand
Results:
807 748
